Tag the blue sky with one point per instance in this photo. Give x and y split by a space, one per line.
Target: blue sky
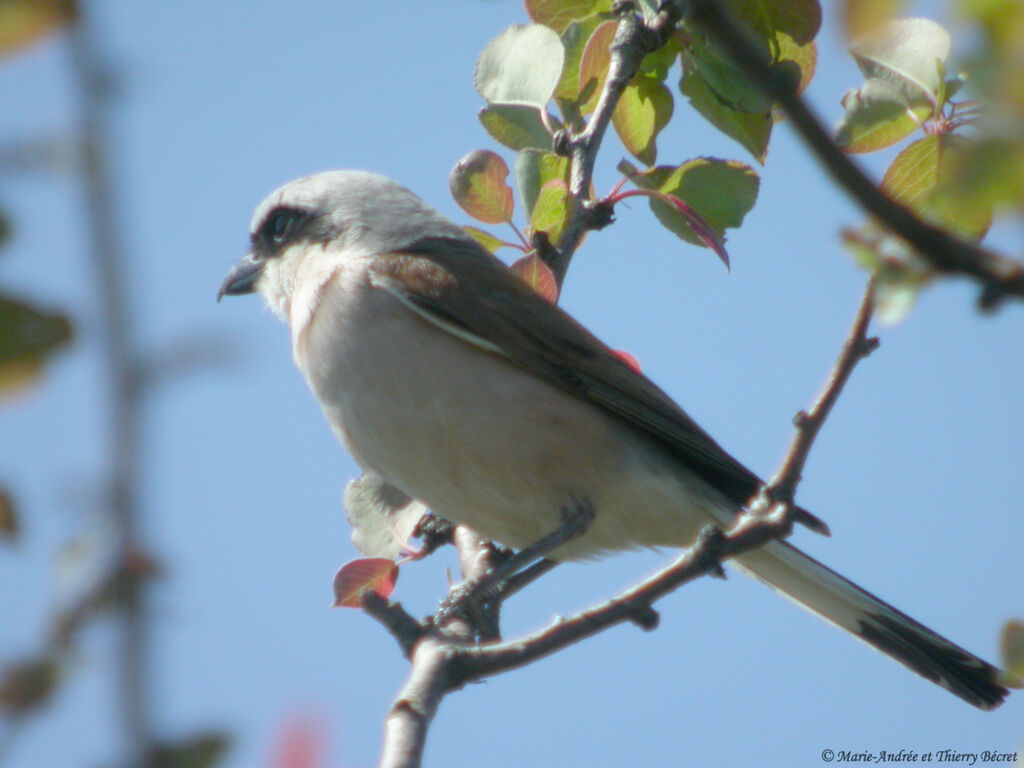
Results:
917 472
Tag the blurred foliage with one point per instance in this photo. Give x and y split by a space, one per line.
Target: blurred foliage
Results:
24 22
9 526
28 338
969 164
1012 647
27 684
202 751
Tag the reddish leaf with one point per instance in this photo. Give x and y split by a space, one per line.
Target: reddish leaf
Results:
539 276
477 182
363 574
701 228
300 745
628 359
594 65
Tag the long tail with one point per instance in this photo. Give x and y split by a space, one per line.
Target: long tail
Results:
842 603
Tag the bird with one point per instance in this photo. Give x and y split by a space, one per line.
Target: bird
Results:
445 374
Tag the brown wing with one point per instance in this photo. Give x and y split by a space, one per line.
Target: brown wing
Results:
545 340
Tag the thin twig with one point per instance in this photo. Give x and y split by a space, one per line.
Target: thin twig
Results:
856 347
402 626
998 275
124 397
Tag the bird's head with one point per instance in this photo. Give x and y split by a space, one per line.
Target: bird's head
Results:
307 229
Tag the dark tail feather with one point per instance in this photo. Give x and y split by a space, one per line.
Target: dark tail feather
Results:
841 602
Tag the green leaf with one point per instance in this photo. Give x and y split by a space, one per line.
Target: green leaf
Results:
477 182
720 191
914 172
574 40
551 211
787 28
559 14
658 63
726 81
516 126
644 108
594 65
799 19
486 239
990 171
22 22
784 31
922 178
534 169
522 65
751 130
877 115
5 228
29 336
907 53
382 517
804 57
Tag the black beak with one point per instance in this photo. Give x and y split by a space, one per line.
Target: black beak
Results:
242 277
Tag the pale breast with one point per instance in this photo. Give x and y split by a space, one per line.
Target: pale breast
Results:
477 438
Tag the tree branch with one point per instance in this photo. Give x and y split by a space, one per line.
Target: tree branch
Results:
430 650
633 40
405 729
122 387
396 620
703 557
856 347
998 275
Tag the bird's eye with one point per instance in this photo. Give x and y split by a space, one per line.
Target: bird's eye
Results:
279 225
